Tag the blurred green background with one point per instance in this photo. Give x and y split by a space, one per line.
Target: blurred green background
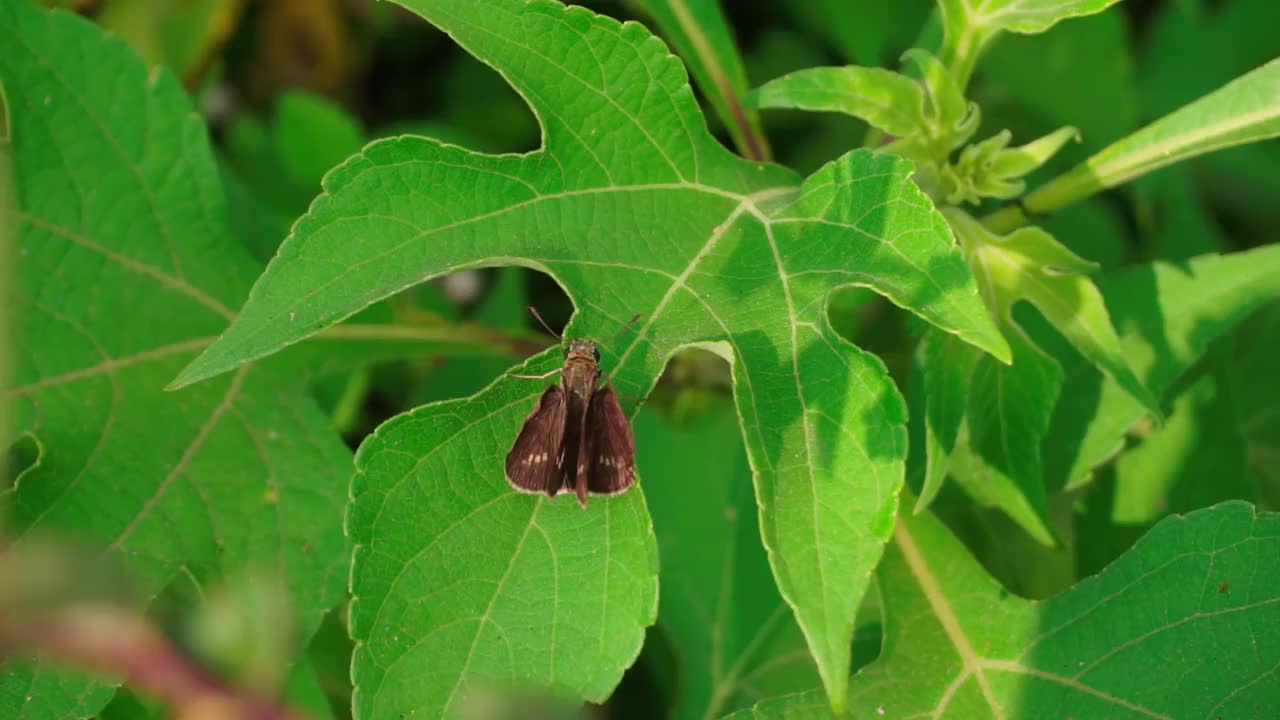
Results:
290 88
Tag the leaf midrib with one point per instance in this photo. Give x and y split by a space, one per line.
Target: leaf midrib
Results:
267 322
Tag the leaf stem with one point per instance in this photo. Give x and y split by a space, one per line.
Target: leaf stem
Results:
1229 116
118 643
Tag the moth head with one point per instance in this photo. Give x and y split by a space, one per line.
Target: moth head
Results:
583 348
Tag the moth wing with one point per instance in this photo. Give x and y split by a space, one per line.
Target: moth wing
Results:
531 464
613 448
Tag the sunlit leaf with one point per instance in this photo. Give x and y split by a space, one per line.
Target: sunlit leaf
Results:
1245 110
1030 265
885 99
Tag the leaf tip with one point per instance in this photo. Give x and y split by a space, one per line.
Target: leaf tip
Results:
996 345
195 371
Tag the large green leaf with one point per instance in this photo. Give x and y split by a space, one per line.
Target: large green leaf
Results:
125 267
701 34
1196 597
634 208
462 586
733 635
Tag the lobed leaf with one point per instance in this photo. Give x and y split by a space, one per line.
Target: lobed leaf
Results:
633 207
1031 265
462 587
1194 597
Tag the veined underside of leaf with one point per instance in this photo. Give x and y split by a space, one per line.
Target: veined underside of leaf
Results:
125 267
634 208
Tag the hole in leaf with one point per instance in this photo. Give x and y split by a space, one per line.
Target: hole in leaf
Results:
693 382
875 325
462 101
22 456
489 310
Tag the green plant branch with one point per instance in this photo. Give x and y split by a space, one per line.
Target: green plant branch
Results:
1244 110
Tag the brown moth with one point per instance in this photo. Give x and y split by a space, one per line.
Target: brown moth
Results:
576 438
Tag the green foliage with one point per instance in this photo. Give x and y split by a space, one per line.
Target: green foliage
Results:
1186 598
126 268
1091 393
739 257
730 629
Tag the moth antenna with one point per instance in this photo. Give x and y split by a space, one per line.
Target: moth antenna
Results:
544 322
629 323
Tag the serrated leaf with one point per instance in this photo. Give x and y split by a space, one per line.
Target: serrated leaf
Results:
1167 315
634 208
461 586
701 35
1195 597
125 267
885 99
734 637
